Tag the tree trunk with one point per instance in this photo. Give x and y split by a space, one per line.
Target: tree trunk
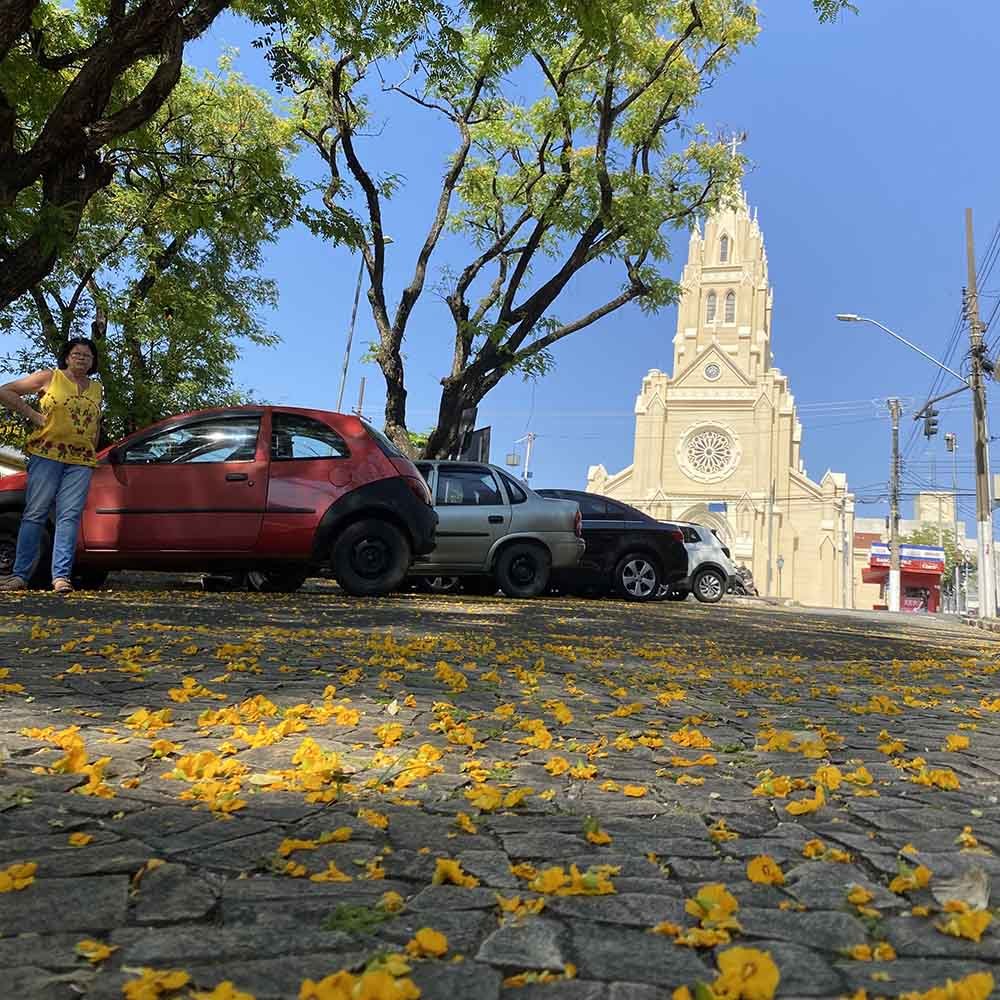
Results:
443 441
395 402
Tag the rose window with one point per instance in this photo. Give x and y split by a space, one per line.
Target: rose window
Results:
710 452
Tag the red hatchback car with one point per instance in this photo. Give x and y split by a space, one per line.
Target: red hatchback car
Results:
277 492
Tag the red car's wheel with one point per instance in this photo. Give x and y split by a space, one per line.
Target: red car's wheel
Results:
370 558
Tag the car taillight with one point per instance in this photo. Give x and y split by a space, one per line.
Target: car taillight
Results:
578 523
419 488
677 535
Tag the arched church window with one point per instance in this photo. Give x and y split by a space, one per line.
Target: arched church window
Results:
724 249
710 308
730 314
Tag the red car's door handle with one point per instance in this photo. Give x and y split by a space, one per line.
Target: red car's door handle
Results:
236 477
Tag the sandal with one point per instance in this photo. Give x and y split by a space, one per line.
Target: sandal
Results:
62 586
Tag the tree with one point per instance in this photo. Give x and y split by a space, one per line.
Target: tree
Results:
74 80
596 166
164 272
930 534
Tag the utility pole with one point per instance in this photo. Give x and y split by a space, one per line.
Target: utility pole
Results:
895 410
530 438
350 335
981 437
848 583
951 443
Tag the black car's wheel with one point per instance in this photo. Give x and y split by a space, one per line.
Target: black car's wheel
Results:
678 594
9 526
523 569
637 577
277 580
481 586
89 579
370 558
439 584
709 586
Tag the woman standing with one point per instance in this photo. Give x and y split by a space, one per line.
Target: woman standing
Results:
61 458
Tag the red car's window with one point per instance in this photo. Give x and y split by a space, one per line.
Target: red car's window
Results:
294 436
223 439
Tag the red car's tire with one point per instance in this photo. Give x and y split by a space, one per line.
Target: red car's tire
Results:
370 558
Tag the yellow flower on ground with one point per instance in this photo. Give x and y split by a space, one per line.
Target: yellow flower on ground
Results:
449 872
719 832
338 836
955 742
800 807
79 839
702 937
94 951
715 907
155 983
969 924
829 776
976 986
910 879
814 848
967 839
226 990
427 942
634 791
332 874
485 798
464 822
391 902
764 870
859 896
599 837
557 765
18 876
746 974
372 818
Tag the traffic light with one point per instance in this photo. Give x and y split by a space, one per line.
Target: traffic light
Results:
930 423
949 442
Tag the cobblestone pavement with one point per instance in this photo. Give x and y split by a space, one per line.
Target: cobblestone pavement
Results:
235 787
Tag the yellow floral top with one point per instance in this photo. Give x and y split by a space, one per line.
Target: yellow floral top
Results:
72 417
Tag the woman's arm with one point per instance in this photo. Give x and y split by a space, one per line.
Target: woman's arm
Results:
11 395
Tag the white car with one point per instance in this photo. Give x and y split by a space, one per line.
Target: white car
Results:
709 566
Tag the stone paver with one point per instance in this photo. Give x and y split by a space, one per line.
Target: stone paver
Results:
287 718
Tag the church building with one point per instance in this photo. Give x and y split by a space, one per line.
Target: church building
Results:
719 441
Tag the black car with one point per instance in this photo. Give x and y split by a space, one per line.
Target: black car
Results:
627 551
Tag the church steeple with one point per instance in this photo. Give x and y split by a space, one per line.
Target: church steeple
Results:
727 296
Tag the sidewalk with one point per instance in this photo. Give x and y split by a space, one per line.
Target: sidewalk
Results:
539 800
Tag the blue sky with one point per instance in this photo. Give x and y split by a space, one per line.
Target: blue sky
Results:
868 139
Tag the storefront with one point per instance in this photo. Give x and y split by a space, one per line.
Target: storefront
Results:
920 570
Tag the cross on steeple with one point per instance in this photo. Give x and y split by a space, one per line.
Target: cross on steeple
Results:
736 140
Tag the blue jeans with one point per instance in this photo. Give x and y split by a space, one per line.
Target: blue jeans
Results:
66 485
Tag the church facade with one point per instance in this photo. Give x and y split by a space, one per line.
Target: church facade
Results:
719 440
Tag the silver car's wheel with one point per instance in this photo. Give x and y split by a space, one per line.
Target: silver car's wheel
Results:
637 578
709 586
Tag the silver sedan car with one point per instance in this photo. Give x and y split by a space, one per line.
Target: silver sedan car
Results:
493 531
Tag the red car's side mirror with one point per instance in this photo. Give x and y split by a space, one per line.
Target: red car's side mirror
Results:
114 457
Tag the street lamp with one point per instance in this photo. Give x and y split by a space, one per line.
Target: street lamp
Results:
853 318
386 240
